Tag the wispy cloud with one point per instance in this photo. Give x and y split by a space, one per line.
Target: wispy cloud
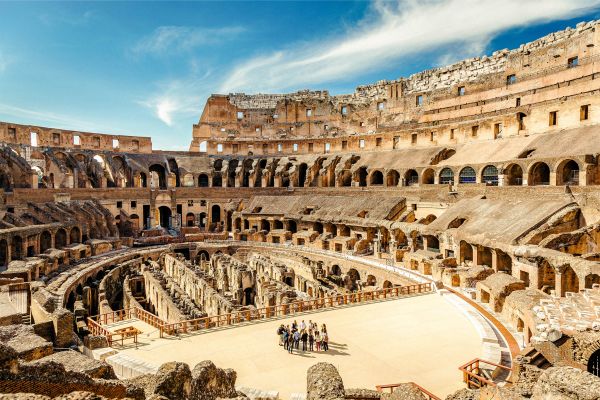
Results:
391 32
179 98
168 39
48 117
64 18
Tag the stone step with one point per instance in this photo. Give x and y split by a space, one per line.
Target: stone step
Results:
298 396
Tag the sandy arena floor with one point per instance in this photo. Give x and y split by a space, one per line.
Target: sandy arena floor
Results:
422 339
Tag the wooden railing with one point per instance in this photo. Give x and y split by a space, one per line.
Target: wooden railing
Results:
95 323
98 330
472 373
290 309
393 386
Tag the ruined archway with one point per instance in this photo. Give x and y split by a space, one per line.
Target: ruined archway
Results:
376 178
569 281
568 173
203 180
411 177
539 174
60 239
446 176
164 213
513 175
158 176
428 177
467 175
45 241
392 178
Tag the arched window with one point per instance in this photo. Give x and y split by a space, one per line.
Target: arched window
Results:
447 176
467 175
411 177
490 175
203 146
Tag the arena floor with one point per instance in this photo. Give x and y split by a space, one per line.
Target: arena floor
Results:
422 339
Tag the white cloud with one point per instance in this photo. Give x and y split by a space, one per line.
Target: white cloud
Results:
66 18
393 31
182 38
179 98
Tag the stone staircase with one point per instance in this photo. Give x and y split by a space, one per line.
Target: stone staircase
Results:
26 319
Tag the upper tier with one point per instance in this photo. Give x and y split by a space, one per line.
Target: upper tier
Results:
510 93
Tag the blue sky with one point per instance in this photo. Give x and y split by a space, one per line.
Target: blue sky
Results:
146 68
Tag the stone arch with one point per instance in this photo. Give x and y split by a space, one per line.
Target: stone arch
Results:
190 219
231 171
392 178
387 284
265 225
158 175
376 178
75 235
360 176
302 174
513 175
467 175
593 363
164 213
215 211
143 179
539 174
411 177
428 176
371 280
489 175
203 180
345 178
60 239
591 280
567 173
17 248
318 227
45 241
335 270
446 176
569 281
202 221
466 252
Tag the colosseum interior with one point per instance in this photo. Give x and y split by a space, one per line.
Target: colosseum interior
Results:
446 227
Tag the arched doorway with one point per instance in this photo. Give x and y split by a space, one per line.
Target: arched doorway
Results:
446 176
569 281
45 241
489 176
164 213
411 177
514 175
203 180
393 177
159 175
74 235
569 173
216 213
302 174
376 178
60 239
190 219
361 176
428 177
539 174
466 251
593 365
467 175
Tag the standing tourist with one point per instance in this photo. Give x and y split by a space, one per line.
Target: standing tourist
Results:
318 340
304 338
311 340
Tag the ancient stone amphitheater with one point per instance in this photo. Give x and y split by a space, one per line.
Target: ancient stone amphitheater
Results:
445 226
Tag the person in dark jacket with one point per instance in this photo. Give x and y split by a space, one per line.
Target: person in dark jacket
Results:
304 339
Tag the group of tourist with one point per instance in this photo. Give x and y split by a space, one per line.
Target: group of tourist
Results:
309 335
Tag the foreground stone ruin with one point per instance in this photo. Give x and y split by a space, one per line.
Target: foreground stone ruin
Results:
476 182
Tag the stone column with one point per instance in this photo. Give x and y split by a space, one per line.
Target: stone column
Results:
583 178
558 284
501 180
34 180
475 250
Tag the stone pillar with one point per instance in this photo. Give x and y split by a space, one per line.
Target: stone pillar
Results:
475 250
102 181
500 179
494 260
558 284
34 180
553 176
583 178
425 242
